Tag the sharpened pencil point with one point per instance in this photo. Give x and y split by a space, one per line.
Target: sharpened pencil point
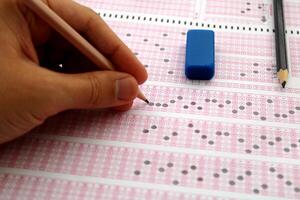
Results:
146 100
283 84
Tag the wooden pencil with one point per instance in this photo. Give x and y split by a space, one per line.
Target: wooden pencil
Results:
71 35
281 52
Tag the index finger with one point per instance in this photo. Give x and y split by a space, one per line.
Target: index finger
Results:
88 23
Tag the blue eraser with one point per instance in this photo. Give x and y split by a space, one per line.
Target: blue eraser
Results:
200 55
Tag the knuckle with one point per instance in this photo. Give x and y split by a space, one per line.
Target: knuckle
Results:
95 90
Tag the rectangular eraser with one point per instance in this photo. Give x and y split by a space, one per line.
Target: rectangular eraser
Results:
200 55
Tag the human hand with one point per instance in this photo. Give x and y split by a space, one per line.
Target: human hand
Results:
29 93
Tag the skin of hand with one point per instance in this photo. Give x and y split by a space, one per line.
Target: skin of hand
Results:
41 74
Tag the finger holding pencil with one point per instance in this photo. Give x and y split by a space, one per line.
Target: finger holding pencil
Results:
70 34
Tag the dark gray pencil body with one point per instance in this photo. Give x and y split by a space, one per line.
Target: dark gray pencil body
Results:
281 53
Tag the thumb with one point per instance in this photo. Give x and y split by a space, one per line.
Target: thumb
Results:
99 89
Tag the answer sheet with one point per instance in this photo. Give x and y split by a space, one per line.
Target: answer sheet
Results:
234 137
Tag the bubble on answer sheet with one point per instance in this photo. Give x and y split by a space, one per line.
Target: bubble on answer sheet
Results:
170 164
199 108
284 116
162 49
221 106
255 71
204 137
280 176
277 115
292 112
270 101
199 179
214 100
128 34
172 101
210 142
174 133
179 97
175 182
263 19
145 131
248 173
193 103
271 143
286 150
170 72
297 108
197 131
255 146
263 118
146 66
234 111
228 102
278 139
255 113
165 34
166 60
154 127
184 172
185 106
255 64
157 45
158 104
241 140
147 162
272 169
293 145
216 175
224 170
207 100
145 40
231 183
240 178
151 104
249 104
248 151
296 189
218 133
161 169
256 191
190 125
193 167
263 137
137 172
166 138
288 183
242 107
243 74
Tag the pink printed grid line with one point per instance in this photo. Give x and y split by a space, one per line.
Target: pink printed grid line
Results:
294 45
234 7
226 137
56 190
238 12
166 47
207 102
213 165
175 8
291 13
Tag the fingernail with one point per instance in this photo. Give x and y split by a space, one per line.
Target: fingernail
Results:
126 88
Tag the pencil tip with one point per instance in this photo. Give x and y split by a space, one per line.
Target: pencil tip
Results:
146 100
283 84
